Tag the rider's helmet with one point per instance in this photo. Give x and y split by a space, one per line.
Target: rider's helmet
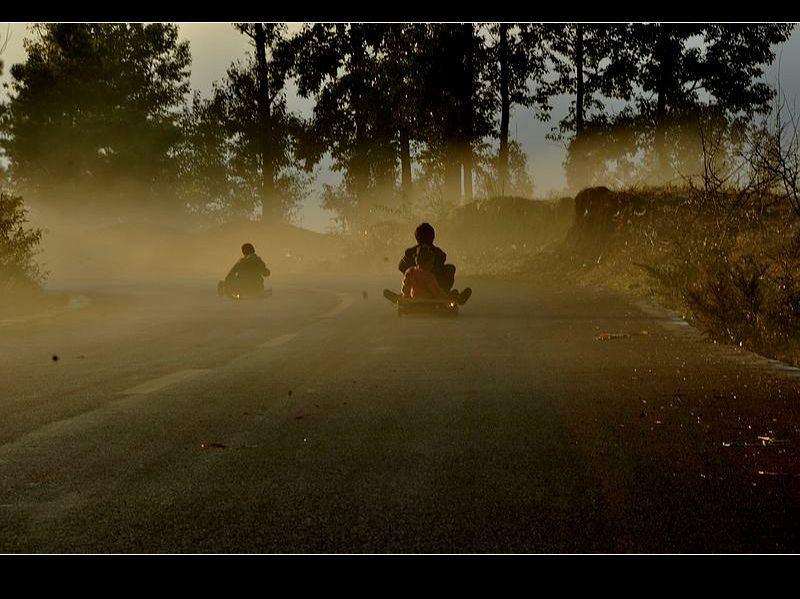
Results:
424 234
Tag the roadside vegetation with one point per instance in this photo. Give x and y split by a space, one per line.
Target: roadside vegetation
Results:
723 250
21 276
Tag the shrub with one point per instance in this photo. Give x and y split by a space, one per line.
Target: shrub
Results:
18 246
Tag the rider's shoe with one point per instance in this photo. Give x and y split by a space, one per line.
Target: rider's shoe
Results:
221 288
464 296
391 296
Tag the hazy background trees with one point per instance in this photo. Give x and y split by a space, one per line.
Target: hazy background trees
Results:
664 83
414 116
93 114
238 153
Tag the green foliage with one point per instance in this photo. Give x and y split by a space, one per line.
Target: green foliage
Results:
609 68
385 92
518 182
95 104
17 245
227 151
346 69
668 78
529 59
204 182
103 107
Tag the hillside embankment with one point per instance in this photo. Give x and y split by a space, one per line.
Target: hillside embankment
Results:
729 264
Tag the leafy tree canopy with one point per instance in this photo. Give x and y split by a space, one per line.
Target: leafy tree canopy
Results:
95 103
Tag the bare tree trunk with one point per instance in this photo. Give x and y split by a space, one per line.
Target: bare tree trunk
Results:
466 112
452 174
664 67
467 162
405 162
505 110
577 170
360 167
269 209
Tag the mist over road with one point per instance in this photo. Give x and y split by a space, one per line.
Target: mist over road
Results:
543 419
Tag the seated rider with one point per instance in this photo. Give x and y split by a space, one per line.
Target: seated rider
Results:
247 275
445 273
419 281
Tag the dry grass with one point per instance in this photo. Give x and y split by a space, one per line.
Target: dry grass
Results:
732 268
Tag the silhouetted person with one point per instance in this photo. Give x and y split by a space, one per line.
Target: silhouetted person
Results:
445 273
247 275
419 281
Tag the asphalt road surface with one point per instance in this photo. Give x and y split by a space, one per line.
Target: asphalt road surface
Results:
541 420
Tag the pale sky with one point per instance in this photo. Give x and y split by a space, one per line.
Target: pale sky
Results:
214 46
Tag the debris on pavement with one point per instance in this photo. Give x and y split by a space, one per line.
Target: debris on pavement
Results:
212 445
763 441
771 440
608 336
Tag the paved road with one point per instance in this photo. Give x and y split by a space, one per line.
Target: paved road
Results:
541 420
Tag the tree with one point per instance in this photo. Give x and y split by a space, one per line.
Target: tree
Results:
671 77
222 154
457 97
687 69
257 102
521 56
205 184
343 66
595 64
401 63
505 105
238 155
17 245
95 107
249 160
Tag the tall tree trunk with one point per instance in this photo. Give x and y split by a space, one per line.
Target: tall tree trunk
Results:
405 162
269 209
452 173
360 167
467 162
452 124
466 111
664 71
505 110
577 169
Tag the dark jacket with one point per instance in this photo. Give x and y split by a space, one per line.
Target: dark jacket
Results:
445 273
409 259
247 275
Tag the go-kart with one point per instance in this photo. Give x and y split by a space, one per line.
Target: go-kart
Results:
238 294
410 305
245 296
